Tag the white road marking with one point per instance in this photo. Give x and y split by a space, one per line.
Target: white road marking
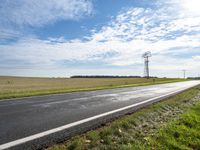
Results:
61 128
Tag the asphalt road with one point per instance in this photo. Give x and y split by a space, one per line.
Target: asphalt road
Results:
23 117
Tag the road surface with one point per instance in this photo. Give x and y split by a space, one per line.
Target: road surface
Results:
47 119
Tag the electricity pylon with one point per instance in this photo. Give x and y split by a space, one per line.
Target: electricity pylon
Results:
184 72
146 56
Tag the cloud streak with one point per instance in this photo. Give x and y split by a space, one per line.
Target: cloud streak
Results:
19 14
39 13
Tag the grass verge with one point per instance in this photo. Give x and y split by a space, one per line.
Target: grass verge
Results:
170 124
181 134
13 87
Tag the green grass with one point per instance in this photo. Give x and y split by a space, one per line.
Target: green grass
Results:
181 134
170 124
12 87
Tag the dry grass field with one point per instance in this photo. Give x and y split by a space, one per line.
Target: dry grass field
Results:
11 87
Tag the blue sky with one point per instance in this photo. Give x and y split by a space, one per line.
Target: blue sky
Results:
106 37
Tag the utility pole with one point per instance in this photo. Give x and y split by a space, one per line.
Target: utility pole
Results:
146 56
184 73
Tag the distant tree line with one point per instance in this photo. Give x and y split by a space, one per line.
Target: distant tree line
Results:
105 76
194 78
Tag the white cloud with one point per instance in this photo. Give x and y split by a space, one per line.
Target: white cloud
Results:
196 58
41 12
5 34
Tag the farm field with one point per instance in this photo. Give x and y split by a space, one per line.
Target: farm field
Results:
12 87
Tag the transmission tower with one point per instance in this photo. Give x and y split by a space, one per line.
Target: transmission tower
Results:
184 72
146 56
